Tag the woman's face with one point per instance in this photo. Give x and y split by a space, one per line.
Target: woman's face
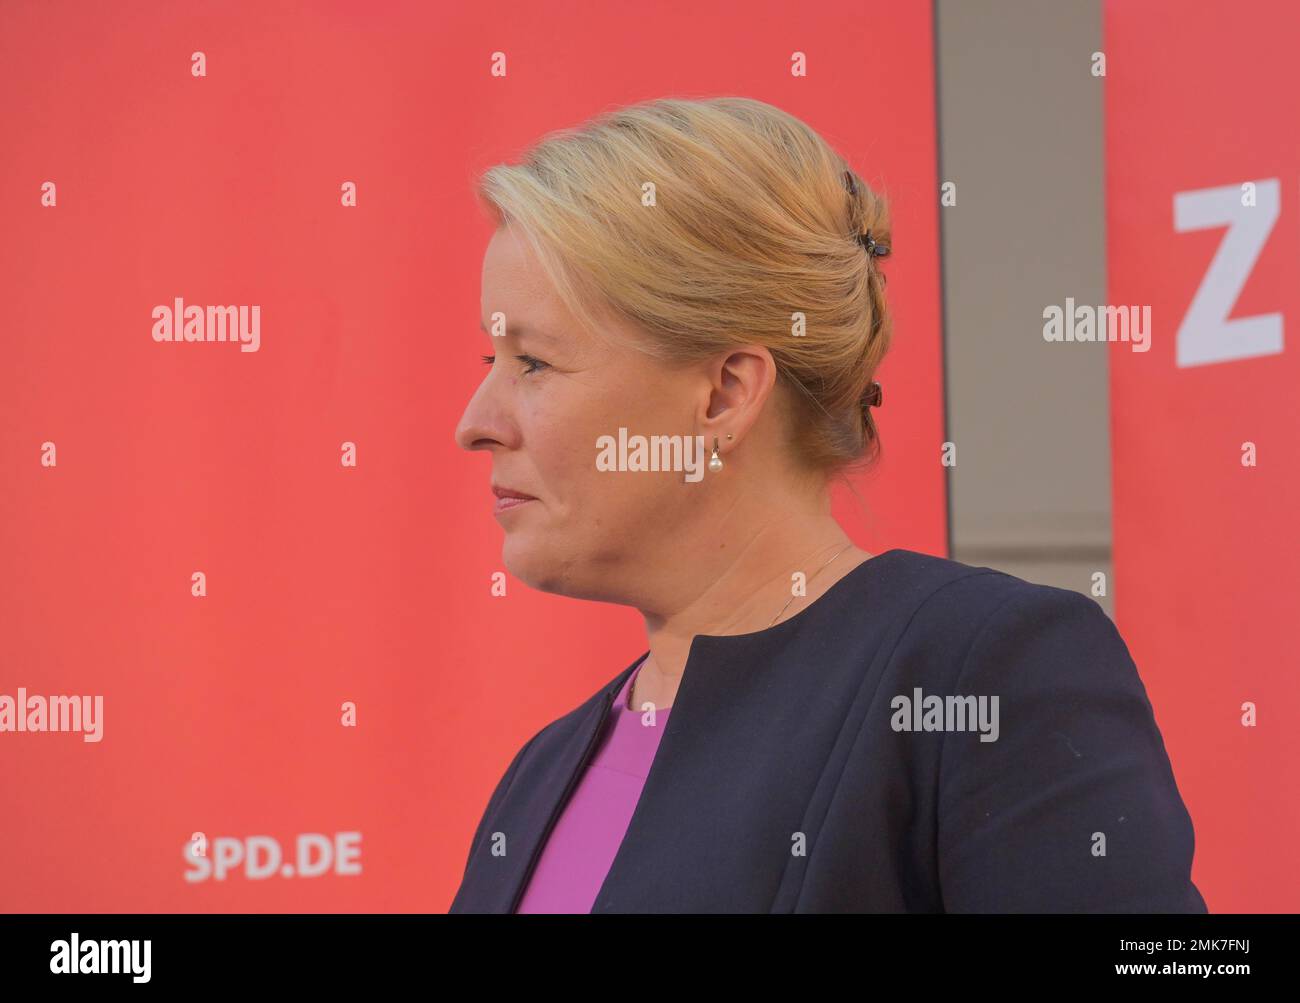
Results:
541 416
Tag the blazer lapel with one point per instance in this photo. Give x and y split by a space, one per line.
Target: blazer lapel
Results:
680 843
534 810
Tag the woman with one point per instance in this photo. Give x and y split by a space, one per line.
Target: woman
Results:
813 728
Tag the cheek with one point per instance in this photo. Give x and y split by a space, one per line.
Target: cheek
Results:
562 431
640 505
562 450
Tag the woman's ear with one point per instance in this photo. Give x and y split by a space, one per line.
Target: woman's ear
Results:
740 383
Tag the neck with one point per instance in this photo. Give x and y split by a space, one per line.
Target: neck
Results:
738 586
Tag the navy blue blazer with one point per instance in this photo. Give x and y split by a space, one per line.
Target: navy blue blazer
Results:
843 761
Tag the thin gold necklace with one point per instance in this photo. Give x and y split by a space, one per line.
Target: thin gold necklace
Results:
815 574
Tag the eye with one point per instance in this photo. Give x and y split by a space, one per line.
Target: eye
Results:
534 364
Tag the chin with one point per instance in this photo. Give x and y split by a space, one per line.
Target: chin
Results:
548 568
537 567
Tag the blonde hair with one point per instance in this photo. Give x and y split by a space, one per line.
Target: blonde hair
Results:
753 223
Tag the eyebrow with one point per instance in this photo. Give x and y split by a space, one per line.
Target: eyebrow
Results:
521 331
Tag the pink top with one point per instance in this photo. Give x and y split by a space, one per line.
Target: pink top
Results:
591 827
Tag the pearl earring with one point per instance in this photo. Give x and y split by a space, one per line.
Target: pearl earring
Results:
715 461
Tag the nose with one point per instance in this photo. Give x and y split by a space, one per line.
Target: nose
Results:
483 424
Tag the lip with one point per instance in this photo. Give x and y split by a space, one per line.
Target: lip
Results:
508 503
507 498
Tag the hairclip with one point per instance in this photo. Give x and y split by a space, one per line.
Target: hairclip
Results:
867 241
873 396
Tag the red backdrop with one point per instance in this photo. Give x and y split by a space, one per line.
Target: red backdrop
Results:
1199 101
327 583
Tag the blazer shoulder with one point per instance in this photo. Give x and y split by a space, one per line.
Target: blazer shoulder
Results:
939 585
944 611
943 581
1027 806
